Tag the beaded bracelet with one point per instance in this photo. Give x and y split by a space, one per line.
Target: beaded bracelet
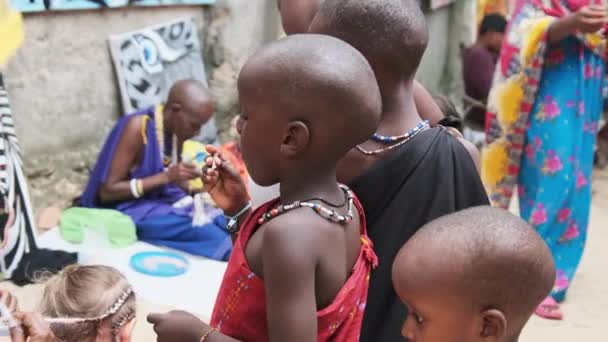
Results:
205 335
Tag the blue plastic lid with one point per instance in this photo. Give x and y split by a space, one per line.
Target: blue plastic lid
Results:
159 264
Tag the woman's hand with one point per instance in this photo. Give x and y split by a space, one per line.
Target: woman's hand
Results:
33 328
590 19
177 326
224 183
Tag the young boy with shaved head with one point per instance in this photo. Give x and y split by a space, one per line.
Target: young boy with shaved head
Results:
301 263
407 173
296 16
474 276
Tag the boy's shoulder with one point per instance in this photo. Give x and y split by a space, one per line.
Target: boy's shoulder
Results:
291 242
295 228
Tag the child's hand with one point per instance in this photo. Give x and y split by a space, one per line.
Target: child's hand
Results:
9 300
177 326
224 183
33 328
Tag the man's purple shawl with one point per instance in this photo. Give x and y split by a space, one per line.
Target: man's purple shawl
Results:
158 202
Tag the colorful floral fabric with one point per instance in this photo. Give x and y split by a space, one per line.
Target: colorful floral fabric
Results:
523 58
554 182
544 110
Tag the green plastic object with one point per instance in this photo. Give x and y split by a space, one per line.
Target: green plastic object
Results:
119 227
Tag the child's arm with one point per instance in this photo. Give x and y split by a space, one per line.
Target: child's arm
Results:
296 15
289 260
426 106
118 187
289 263
184 327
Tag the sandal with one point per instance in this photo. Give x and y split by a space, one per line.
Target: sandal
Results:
549 309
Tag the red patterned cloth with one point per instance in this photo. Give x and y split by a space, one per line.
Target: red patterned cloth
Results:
240 308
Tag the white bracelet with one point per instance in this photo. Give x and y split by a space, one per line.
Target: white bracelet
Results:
133 185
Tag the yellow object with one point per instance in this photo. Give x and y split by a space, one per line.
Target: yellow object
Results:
205 335
144 126
495 159
485 7
536 30
194 152
11 34
594 40
510 95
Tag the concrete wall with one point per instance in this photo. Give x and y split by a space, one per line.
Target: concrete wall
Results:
65 98
449 28
238 28
61 82
63 90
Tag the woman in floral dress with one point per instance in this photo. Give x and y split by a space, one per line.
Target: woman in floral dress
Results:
544 111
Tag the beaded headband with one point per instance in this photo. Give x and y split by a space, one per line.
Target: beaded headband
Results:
112 310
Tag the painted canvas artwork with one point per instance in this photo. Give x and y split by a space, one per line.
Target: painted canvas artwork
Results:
149 61
62 5
17 225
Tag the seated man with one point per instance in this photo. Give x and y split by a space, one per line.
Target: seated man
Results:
479 63
139 172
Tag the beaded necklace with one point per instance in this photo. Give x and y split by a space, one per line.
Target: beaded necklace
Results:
385 139
392 138
322 211
160 135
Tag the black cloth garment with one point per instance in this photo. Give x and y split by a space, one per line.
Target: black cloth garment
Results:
430 176
40 262
20 258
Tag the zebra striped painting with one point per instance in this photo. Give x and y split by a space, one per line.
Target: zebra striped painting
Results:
149 61
18 235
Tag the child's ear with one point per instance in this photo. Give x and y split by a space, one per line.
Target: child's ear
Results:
126 332
295 139
493 325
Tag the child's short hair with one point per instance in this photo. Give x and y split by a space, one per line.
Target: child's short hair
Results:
80 298
389 33
321 80
494 259
451 117
493 22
